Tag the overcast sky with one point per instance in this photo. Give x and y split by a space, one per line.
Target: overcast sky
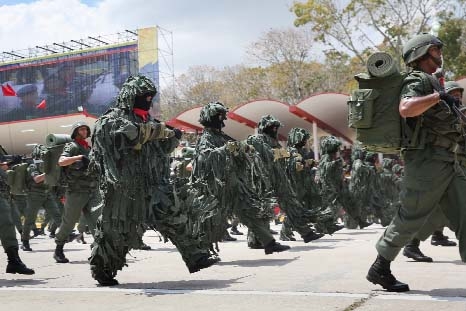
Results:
205 32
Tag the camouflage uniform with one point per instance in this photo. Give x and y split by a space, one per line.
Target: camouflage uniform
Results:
127 148
39 196
301 172
334 189
228 178
82 193
274 156
435 170
7 230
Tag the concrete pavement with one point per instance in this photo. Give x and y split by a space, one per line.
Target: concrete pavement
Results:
327 274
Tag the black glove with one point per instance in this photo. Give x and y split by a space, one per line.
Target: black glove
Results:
178 133
449 99
85 161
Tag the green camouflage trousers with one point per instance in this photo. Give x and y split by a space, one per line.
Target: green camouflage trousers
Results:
7 227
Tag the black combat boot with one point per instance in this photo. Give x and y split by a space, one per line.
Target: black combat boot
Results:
35 232
80 239
412 251
202 263
228 238
234 231
59 256
379 273
52 233
275 247
286 237
311 236
145 247
25 247
363 224
273 231
438 239
15 265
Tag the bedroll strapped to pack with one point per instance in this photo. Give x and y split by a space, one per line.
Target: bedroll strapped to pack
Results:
373 108
55 144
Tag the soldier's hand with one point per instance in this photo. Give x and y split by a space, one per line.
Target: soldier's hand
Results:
299 166
279 153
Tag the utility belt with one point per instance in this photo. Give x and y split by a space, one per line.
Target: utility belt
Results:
443 142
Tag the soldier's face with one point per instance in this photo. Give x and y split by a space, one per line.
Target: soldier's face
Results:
457 94
436 55
82 132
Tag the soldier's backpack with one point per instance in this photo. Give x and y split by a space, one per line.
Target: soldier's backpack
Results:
55 144
16 178
373 108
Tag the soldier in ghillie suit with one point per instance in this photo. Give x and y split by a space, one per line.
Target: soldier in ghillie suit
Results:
335 191
390 190
274 156
301 171
130 151
375 203
229 180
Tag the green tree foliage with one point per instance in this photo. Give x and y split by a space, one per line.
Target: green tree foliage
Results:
367 25
452 31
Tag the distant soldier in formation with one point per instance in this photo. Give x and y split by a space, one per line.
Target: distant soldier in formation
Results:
273 157
301 170
7 227
230 181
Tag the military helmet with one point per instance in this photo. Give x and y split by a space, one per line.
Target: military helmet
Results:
388 163
297 135
134 86
187 152
38 151
211 110
76 126
453 85
329 145
268 121
418 46
357 152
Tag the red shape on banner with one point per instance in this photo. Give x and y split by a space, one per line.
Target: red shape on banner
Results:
42 105
8 90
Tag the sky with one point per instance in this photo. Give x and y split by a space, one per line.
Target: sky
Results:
205 32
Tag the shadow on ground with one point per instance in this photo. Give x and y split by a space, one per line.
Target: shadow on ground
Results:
257 262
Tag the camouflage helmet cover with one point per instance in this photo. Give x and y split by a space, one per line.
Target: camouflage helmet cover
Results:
388 163
418 46
134 86
187 152
357 152
453 85
296 136
329 145
211 110
38 151
76 126
268 121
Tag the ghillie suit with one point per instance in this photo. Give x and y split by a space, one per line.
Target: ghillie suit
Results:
389 184
227 179
335 192
273 156
376 202
301 172
124 141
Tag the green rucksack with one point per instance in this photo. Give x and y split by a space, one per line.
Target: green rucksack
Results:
55 144
16 178
373 109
